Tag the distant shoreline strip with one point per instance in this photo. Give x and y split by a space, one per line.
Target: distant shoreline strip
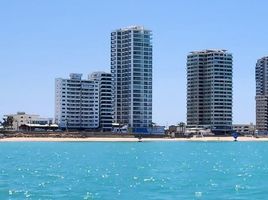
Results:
106 139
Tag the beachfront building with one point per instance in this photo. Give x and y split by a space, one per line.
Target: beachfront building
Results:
84 104
131 68
105 99
244 129
177 130
198 131
21 119
261 75
77 103
209 90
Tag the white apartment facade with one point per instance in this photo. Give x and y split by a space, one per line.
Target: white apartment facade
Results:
77 103
131 68
84 104
105 99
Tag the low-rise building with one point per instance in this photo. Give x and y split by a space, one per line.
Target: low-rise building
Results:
198 131
21 118
177 130
244 129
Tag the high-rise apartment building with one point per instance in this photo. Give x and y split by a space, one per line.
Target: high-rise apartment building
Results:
105 99
131 68
77 103
209 90
261 74
84 104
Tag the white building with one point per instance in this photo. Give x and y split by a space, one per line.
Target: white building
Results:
198 131
105 99
84 104
21 118
131 68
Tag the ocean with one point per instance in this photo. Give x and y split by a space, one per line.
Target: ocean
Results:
133 171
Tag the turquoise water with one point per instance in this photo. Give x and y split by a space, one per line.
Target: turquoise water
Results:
125 170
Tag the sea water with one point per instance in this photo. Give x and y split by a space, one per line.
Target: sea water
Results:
132 170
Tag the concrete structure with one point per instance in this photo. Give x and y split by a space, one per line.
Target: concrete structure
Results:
84 104
21 118
178 130
119 128
261 74
209 90
244 129
198 131
105 99
131 68
77 103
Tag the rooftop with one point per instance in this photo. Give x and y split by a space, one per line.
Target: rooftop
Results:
76 76
263 58
132 27
209 51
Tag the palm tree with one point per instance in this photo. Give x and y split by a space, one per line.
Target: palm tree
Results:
7 122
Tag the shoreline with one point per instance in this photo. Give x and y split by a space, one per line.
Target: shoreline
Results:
117 139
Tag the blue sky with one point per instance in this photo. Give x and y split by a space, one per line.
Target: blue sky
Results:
43 40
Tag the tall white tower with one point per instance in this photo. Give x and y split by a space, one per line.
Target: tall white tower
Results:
131 68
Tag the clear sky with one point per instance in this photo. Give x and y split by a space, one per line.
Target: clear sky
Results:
43 40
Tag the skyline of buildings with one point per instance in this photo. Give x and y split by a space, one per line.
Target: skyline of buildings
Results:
209 90
126 92
47 47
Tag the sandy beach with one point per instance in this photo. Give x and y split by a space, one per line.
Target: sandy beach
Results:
102 139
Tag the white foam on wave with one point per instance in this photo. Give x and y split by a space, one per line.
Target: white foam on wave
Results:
198 194
151 179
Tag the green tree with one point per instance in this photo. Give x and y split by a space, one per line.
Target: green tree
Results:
7 122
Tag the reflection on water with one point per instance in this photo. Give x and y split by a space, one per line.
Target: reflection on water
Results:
148 170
